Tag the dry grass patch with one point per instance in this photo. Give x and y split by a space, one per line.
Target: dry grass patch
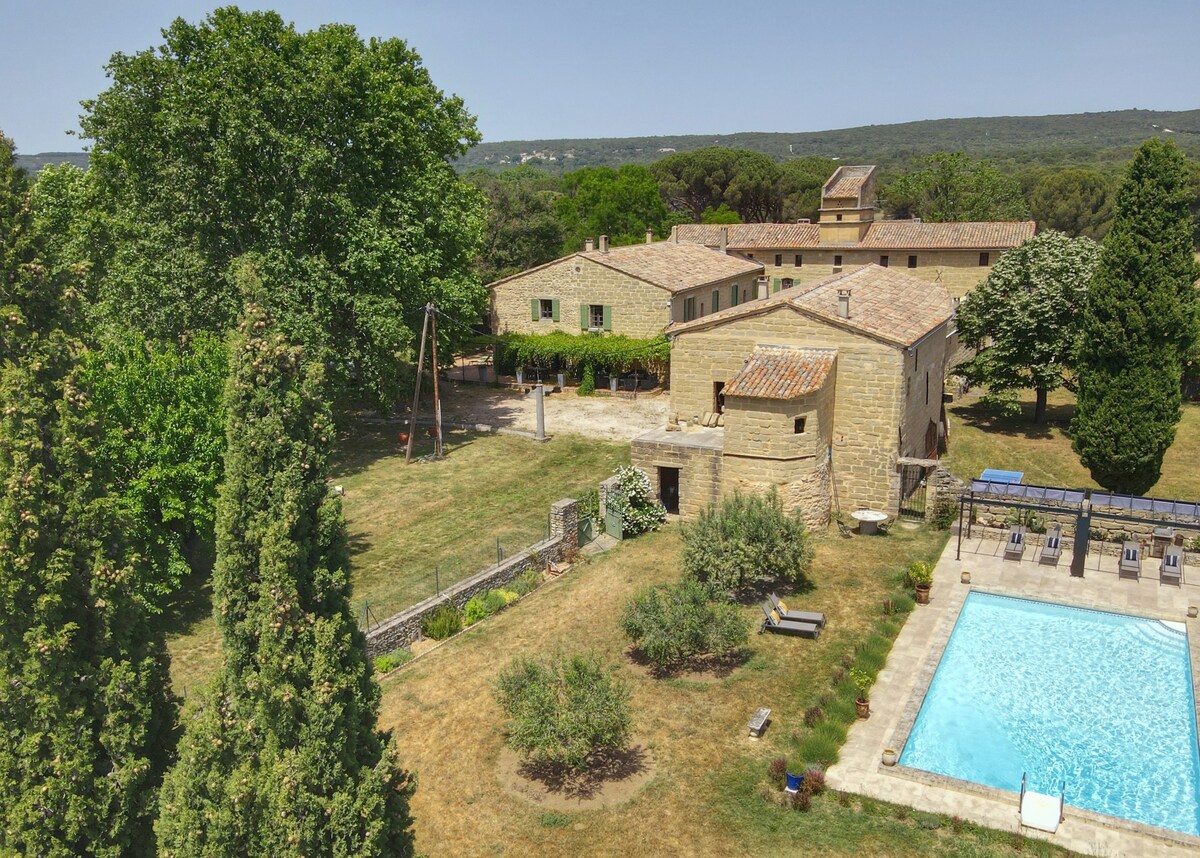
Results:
704 799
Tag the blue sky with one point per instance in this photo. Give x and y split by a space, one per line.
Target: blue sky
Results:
617 68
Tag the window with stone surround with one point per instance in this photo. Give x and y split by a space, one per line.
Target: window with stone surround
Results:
798 425
596 317
837 260
788 283
983 260
799 260
883 261
547 309
779 259
912 261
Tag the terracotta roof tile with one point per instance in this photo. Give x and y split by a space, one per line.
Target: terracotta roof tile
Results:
782 372
674 266
881 235
884 304
847 182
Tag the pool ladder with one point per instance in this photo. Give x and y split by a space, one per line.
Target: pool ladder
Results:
1039 802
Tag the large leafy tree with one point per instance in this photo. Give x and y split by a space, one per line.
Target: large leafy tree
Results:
325 156
949 186
1075 201
1024 320
162 446
801 183
88 719
621 203
1139 324
747 182
522 230
281 755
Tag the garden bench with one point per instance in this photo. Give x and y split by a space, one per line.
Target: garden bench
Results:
758 721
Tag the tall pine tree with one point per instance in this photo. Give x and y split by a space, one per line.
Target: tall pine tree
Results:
281 756
86 716
1139 324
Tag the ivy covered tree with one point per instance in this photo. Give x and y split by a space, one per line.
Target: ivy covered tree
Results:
1139 324
324 155
87 719
281 755
1023 321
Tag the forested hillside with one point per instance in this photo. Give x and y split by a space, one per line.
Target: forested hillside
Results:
1077 138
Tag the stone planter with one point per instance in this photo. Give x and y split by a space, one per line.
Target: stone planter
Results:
922 593
966 577
562 380
520 376
613 383
1192 611
863 707
890 756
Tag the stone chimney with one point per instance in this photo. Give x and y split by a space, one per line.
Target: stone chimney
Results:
604 244
724 239
843 303
588 246
649 236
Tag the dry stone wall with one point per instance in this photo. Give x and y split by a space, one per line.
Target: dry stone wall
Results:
403 628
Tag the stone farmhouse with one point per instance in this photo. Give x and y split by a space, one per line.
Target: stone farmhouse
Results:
956 256
636 290
823 391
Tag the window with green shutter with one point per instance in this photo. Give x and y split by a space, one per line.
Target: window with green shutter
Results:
607 317
716 300
554 309
535 310
583 317
733 295
775 284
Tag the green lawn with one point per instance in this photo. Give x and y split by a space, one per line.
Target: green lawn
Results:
707 793
979 439
405 521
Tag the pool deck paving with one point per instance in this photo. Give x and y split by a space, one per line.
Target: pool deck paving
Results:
900 688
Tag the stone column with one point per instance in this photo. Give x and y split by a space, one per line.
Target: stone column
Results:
564 522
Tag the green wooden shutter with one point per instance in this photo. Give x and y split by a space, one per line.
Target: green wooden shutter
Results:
534 310
554 308
583 316
733 295
716 300
607 317
775 284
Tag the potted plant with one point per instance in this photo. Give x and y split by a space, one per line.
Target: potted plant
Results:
920 576
862 682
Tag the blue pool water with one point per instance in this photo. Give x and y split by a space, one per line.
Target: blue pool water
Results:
1102 701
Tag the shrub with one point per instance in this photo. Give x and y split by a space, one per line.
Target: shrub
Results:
778 771
509 596
745 539
564 710
862 683
634 499
813 716
390 661
551 819
814 782
527 582
494 601
672 624
587 381
844 798
944 513
442 623
802 801
919 572
474 610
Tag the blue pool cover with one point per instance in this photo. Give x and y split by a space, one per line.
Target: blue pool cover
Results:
995 475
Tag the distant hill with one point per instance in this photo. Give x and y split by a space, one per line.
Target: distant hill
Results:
32 163
1016 140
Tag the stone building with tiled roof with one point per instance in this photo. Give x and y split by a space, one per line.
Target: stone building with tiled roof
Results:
956 256
635 290
823 391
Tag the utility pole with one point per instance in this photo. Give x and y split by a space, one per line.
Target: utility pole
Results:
437 402
412 422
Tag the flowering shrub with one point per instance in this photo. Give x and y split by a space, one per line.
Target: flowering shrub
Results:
634 499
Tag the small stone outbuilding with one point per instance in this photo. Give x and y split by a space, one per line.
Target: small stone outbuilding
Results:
819 391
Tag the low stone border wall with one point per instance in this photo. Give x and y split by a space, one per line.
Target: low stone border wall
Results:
403 628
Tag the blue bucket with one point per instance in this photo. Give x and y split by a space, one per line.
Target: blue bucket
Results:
794 781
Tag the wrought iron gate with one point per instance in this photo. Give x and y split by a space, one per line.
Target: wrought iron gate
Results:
912 491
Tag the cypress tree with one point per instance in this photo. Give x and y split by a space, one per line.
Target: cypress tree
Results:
1140 322
281 755
86 716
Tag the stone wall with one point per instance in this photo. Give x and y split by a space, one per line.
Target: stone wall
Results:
956 271
867 396
403 628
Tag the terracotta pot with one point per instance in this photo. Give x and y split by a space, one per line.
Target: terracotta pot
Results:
863 706
403 437
922 592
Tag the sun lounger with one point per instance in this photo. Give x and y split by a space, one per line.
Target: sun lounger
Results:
1052 547
1131 560
1170 571
775 623
787 613
1015 547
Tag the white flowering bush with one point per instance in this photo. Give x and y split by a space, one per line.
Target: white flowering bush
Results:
634 499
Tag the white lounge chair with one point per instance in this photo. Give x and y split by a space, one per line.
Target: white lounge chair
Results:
1015 547
1131 560
1170 571
1052 547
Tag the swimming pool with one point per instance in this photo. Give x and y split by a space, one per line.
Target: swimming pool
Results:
1102 701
